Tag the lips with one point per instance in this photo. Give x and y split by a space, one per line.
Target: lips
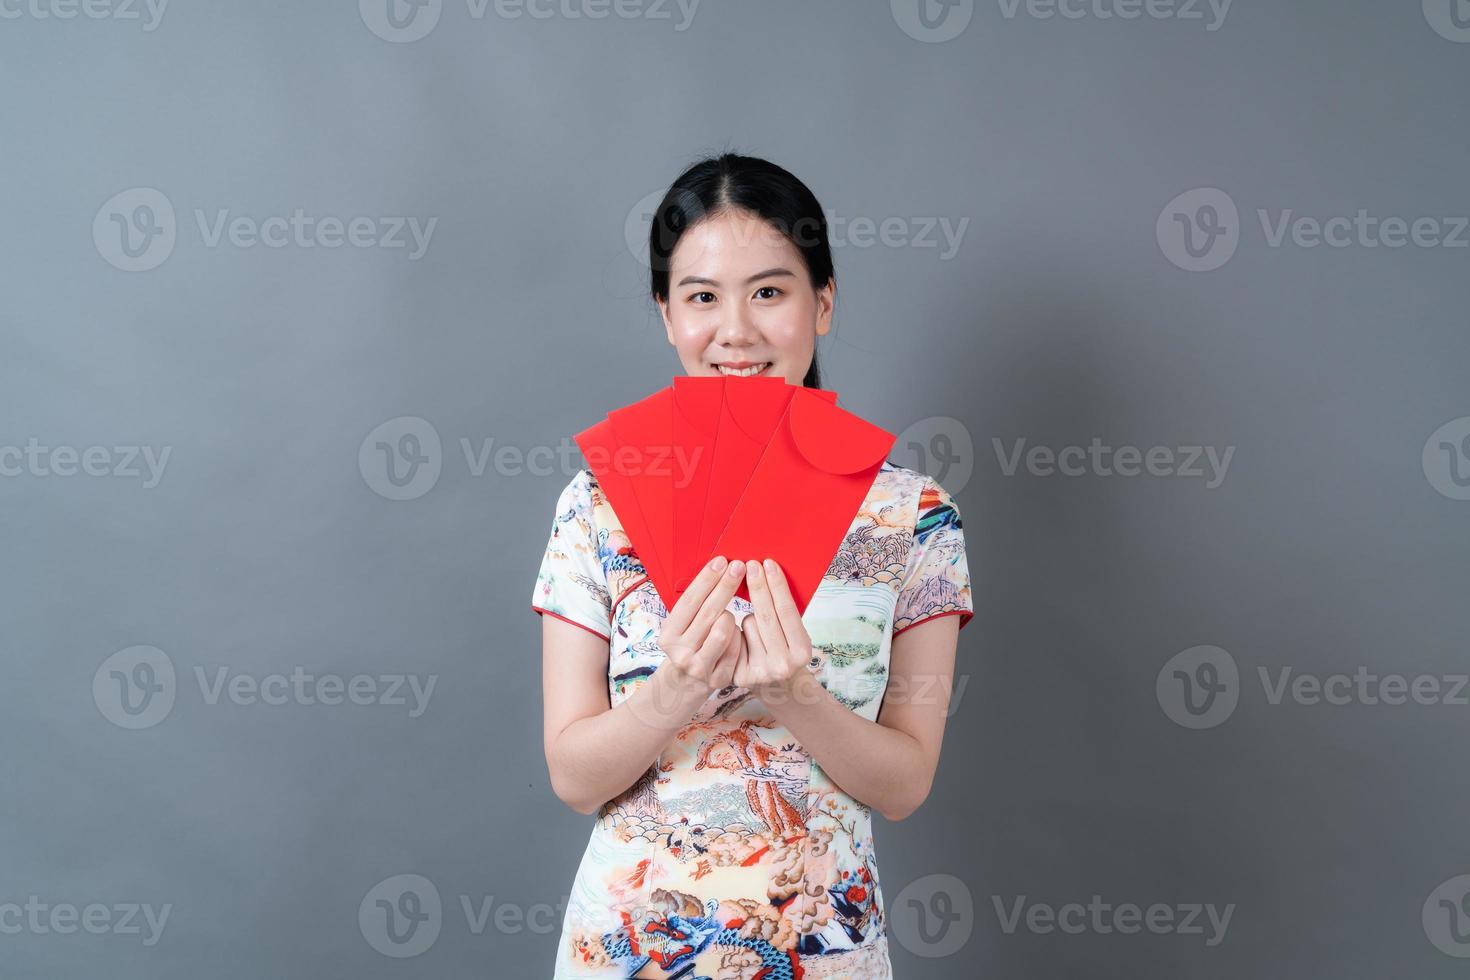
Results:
745 370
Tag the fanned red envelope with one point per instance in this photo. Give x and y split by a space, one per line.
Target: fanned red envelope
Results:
600 448
698 403
644 431
805 491
752 409
749 468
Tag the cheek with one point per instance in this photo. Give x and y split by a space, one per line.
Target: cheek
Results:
790 331
692 334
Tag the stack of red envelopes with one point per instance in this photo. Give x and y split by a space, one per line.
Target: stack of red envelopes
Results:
749 468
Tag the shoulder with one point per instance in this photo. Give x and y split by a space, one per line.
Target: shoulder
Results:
916 486
925 501
581 492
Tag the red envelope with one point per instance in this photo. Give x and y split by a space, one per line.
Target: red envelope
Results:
752 408
805 490
600 447
645 432
674 465
716 422
698 403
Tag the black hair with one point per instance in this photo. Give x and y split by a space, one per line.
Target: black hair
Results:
729 182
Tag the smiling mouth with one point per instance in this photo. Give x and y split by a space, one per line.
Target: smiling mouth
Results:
744 372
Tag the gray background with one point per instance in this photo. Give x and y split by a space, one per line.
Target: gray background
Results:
267 545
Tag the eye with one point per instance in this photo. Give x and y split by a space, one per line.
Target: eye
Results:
774 292
695 296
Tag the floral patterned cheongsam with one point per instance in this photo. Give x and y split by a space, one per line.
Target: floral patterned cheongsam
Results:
734 852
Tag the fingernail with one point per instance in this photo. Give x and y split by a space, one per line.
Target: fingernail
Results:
770 564
736 568
755 569
718 563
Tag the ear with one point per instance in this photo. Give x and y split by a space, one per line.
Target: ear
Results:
826 299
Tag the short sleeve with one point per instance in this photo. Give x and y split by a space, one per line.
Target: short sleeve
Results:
936 581
572 583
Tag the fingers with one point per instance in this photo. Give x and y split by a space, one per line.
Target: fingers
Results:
786 610
755 651
719 597
768 622
724 672
679 618
707 655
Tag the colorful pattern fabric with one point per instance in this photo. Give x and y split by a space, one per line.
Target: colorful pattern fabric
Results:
734 857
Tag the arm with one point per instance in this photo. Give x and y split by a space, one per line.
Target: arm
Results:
594 751
888 764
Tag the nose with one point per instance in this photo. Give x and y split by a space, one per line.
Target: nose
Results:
736 329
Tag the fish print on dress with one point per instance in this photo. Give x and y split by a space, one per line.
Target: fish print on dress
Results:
734 856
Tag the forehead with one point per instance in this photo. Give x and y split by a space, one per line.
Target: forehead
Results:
730 243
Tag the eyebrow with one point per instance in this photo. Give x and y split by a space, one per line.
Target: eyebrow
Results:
777 271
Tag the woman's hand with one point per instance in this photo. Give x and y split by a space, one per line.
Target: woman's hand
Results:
699 631
776 649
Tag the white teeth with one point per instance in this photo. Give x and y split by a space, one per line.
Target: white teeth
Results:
743 372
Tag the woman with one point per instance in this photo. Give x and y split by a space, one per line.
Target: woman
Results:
733 764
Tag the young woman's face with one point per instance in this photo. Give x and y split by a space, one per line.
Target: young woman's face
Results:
741 300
